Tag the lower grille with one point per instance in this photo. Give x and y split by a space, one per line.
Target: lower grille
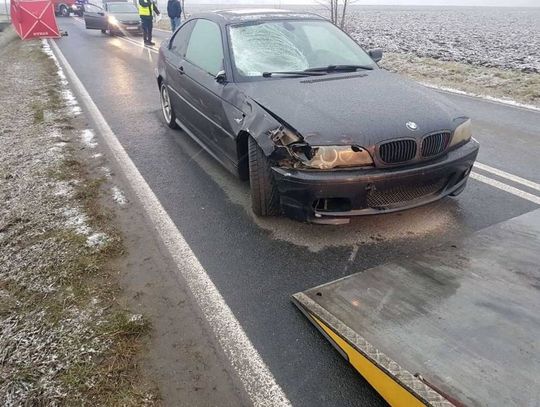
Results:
435 144
381 198
397 151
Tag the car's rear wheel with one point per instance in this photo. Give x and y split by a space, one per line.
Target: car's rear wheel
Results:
166 107
103 31
264 191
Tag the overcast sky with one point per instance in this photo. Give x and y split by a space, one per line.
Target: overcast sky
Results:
500 3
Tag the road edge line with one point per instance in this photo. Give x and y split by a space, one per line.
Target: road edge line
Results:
485 98
505 187
508 176
259 383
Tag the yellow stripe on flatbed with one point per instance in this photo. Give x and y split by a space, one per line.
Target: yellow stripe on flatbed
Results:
385 385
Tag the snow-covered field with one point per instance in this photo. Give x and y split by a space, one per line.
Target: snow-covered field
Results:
485 36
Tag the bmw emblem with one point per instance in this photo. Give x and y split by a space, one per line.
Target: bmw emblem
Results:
412 126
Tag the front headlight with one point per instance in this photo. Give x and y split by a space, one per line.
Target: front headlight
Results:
462 133
113 20
328 157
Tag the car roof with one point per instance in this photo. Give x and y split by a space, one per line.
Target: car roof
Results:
254 14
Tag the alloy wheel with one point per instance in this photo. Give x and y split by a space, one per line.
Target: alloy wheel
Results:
166 103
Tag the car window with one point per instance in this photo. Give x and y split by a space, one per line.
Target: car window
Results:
92 8
205 48
179 41
122 8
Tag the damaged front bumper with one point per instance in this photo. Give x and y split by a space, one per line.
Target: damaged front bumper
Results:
334 196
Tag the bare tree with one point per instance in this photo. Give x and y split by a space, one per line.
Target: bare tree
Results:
337 10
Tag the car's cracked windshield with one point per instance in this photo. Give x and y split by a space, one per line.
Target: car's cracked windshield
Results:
292 46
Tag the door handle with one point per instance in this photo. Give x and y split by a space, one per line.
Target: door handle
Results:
181 69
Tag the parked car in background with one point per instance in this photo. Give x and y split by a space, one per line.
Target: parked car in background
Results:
114 18
66 7
292 103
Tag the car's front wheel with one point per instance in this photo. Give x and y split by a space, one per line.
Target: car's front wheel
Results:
63 11
166 106
264 191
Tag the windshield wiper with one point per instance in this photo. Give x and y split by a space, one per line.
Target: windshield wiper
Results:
294 73
340 68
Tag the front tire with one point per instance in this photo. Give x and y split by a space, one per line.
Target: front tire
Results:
166 106
63 11
103 31
264 193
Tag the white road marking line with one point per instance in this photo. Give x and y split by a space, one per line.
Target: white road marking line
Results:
507 175
504 187
258 381
485 98
354 253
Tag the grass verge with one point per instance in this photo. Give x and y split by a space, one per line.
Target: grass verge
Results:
494 82
64 337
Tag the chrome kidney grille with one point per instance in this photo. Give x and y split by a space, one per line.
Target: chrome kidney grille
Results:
401 151
435 144
398 151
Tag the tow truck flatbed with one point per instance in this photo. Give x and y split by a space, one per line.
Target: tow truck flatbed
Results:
456 326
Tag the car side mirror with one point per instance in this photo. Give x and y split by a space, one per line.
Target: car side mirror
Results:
376 54
221 77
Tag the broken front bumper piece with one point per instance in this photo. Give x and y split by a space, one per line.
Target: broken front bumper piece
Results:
336 195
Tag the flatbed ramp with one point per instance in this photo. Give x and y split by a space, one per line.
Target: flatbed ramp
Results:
456 326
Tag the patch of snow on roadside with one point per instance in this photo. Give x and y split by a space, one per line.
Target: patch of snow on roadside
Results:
97 155
89 138
71 102
63 189
48 51
96 239
106 172
78 221
118 196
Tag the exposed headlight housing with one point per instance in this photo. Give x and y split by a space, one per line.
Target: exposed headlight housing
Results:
328 157
462 133
112 20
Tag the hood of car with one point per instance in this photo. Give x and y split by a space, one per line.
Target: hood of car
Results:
362 108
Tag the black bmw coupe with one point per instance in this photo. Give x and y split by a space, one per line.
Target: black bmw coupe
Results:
292 103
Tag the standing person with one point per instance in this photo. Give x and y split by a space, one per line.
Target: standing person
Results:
174 10
146 10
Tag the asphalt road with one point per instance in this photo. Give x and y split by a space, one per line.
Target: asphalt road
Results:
257 265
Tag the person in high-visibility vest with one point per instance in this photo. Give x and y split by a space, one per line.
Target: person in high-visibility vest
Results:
146 10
